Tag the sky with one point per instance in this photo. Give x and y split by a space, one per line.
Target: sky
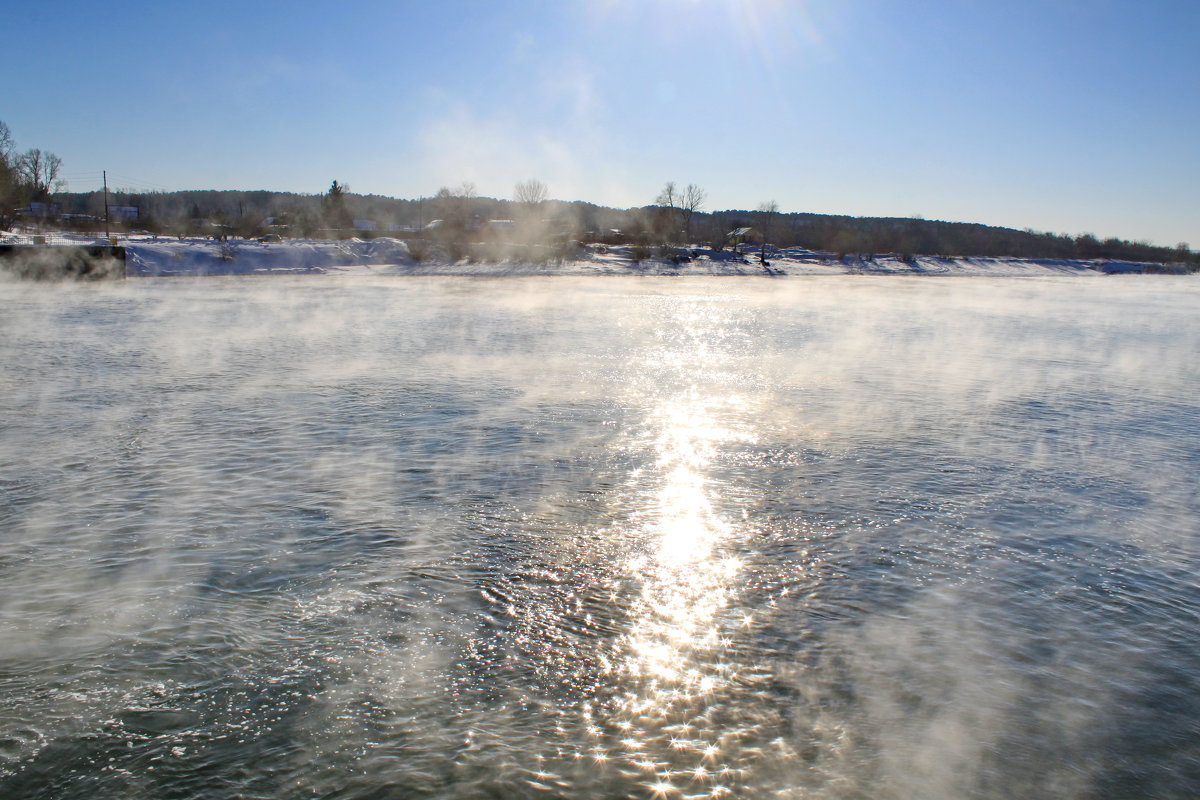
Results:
1066 116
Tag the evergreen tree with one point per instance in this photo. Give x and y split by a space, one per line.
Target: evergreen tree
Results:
336 214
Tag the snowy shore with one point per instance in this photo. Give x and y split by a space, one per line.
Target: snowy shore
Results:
150 256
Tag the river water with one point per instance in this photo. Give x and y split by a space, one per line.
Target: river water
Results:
841 537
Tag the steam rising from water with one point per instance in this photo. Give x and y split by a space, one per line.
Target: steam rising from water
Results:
825 538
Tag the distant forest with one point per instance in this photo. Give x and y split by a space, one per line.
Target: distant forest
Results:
31 195
343 213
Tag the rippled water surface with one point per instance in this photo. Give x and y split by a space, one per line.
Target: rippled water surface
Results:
813 538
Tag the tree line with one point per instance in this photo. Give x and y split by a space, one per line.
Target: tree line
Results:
454 218
676 217
26 177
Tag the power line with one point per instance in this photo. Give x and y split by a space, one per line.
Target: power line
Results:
124 183
141 184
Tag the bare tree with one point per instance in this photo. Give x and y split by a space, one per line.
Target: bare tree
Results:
39 172
9 190
667 223
530 193
454 209
531 230
768 216
691 202
680 203
6 143
668 197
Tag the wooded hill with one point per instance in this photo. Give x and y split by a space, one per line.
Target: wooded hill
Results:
253 213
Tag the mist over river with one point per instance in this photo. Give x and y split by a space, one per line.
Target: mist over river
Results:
845 537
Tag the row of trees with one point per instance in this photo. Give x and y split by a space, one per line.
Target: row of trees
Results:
680 217
28 177
529 227
455 219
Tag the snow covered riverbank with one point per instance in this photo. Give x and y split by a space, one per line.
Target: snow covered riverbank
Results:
392 257
150 256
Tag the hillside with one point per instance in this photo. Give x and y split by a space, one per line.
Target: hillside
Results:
252 213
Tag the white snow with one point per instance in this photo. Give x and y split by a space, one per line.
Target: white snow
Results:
150 256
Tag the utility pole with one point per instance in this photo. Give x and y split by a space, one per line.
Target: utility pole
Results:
105 203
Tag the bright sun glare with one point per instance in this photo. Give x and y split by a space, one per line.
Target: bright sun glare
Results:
674 653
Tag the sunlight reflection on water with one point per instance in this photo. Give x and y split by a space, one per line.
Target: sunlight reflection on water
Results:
455 539
673 658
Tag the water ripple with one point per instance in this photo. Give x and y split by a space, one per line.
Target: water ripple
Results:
838 538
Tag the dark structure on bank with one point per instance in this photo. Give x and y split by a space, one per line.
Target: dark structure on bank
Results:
62 262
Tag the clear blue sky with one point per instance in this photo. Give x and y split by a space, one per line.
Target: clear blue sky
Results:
1068 116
